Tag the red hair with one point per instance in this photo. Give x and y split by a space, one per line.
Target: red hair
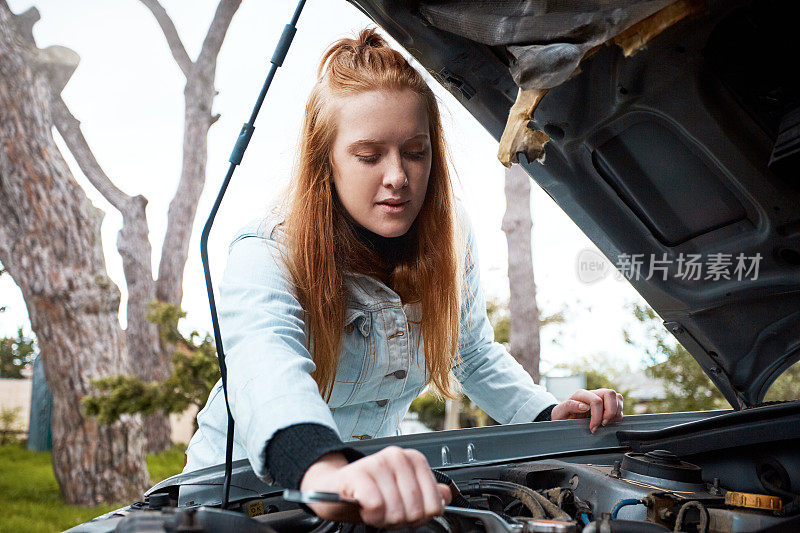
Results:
321 245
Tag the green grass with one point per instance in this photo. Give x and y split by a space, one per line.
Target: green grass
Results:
29 496
166 464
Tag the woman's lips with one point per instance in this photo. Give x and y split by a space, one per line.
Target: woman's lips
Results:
392 207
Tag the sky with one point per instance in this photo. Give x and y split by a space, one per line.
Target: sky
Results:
128 94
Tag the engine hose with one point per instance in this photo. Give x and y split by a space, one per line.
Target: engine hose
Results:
539 505
581 507
794 500
791 507
552 509
624 526
703 527
559 495
509 489
458 499
621 504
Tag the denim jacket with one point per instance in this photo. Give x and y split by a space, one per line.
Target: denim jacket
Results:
381 362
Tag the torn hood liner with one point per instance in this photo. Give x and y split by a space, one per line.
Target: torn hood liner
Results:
667 130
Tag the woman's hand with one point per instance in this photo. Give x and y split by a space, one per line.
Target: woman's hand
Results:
395 487
601 406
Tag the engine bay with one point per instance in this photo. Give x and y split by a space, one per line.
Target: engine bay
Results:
741 489
704 471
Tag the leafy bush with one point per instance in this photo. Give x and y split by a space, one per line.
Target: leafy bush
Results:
15 354
430 409
8 424
194 372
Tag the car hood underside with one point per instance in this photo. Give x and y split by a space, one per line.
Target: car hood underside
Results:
666 131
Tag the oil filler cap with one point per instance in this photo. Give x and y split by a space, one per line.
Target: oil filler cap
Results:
753 501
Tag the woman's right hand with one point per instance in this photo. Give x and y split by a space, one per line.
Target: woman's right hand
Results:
395 487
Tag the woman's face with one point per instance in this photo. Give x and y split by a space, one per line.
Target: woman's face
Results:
382 158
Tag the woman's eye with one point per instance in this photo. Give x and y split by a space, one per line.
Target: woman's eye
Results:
368 158
373 158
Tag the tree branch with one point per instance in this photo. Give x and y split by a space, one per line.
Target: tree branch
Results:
216 32
70 129
171 34
23 21
199 96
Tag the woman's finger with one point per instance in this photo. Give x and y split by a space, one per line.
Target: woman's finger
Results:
363 488
610 405
595 404
392 511
431 497
570 409
578 409
445 493
444 497
409 486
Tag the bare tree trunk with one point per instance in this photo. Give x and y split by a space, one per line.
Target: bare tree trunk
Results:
133 244
50 245
153 359
517 225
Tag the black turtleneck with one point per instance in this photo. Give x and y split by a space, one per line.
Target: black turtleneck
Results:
391 249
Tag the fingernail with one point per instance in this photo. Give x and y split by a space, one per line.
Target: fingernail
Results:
605 422
583 406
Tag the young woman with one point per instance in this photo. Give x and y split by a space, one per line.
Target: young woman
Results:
338 310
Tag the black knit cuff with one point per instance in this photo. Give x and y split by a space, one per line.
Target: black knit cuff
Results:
292 450
545 414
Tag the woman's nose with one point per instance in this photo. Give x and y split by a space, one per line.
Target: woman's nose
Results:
395 176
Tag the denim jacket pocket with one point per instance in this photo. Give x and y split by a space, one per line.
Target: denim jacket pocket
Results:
355 357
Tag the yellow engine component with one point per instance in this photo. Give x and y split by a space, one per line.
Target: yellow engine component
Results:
753 501
255 508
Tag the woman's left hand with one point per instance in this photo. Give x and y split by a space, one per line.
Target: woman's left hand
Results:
601 406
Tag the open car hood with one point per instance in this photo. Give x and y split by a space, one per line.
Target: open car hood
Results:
672 138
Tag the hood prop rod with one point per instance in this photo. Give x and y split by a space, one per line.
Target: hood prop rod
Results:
235 159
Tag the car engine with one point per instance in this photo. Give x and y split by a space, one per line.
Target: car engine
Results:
744 489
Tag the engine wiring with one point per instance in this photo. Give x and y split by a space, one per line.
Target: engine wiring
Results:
624 503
